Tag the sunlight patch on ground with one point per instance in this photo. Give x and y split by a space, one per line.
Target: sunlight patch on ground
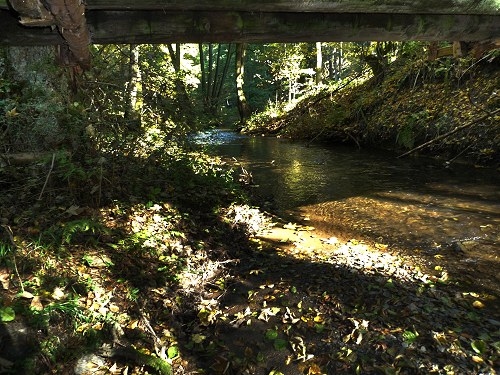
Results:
303 243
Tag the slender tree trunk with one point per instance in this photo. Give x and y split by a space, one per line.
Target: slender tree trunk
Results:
208 99
132 111
203 69
243 107
319 64
216 74
340 61
175 56
229 55
180 86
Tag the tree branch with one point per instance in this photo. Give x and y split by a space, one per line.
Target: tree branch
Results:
458 128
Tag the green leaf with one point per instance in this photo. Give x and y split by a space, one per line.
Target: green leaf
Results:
479 346
271 334
7 314
496 345
173 352
410 337
280 344
197 338
319 327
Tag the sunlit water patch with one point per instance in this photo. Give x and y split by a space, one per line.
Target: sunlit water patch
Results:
414 204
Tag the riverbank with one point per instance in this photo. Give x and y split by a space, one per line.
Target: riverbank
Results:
415 102
175 273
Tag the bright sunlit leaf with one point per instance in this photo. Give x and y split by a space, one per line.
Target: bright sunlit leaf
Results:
479 346
7 314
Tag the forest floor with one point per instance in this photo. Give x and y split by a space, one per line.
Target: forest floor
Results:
190 279
123 263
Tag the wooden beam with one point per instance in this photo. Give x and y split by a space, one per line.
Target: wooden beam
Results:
138 27
315 6
14 34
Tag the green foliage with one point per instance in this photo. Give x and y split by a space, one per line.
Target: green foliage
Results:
173 352
82 231
479 346
5 253
33 104
70 170
50 348
133 294
72 229
443 69
7 314
406 136
410 337
165 91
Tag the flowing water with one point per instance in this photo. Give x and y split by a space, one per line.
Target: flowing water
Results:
441 213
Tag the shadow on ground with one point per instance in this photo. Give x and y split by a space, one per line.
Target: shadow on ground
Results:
174 276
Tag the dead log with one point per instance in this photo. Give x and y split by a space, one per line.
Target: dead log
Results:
24 158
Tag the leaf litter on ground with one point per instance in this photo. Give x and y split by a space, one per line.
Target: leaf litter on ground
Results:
313 304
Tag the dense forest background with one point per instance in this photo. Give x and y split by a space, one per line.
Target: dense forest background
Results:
132 92
115 229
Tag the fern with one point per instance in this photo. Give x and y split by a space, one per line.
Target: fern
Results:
406 136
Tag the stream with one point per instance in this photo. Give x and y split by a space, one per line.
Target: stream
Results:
443 214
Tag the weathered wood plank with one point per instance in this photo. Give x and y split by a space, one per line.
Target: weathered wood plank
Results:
161 27
316 6
14 34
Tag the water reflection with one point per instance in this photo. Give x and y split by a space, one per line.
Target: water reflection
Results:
412 202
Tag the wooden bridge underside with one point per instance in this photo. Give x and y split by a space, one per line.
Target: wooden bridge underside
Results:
52 22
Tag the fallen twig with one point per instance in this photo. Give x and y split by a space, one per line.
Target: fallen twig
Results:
48 175
458 128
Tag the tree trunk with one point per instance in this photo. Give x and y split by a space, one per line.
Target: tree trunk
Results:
175 56
208 99
132 112
180 86
218 93
319 64
338 62
243 108
203 69
213 75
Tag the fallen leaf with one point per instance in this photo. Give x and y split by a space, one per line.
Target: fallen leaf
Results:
477 359
133 324
478 304
74 210
26 294
314 370
58 294
12 113
5 279
36 304
198 338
